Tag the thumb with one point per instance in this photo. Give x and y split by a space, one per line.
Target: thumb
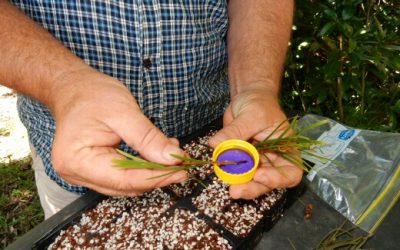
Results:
242 127
150 142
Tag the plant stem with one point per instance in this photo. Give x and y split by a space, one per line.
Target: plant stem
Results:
363 76
340 83
297 84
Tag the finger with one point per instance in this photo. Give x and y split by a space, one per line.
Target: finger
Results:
113 192
139 133
108 191
248 191
237 129
249 125
174 141
266 179
275 129
96 171
278 176
124 187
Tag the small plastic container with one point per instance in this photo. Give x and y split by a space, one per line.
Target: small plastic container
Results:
242 152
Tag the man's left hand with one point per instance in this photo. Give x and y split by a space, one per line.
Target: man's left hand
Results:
252 115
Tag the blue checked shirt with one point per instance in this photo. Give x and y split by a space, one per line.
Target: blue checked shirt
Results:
170 54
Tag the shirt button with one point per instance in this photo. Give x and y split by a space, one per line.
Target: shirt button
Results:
147 63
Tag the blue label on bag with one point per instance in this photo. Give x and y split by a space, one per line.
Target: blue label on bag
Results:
346 134
335 141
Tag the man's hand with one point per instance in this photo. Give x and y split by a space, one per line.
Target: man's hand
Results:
253 115
258 36
93 113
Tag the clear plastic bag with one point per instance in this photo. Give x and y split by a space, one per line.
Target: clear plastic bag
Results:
361 179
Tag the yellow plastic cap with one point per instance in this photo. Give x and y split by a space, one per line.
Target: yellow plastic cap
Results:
234 179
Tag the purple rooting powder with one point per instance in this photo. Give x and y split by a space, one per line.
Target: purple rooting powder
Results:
245 164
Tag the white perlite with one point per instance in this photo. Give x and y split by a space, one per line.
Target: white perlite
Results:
151 221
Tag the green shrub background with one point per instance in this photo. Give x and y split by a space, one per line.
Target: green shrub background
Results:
344 62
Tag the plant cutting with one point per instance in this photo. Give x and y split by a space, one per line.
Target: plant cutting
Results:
236 161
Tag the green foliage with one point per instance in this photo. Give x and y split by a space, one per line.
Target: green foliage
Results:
344 62
20 208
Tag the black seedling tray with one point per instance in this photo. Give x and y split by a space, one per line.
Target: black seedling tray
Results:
44 234
249 242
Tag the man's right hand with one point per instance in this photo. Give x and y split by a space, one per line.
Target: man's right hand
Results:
93 113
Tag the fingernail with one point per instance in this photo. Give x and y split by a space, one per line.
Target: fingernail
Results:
215 140
171 150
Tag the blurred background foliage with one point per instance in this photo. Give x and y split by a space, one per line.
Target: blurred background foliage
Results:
344 62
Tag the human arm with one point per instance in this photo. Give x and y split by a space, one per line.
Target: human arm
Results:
93 111
258 35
